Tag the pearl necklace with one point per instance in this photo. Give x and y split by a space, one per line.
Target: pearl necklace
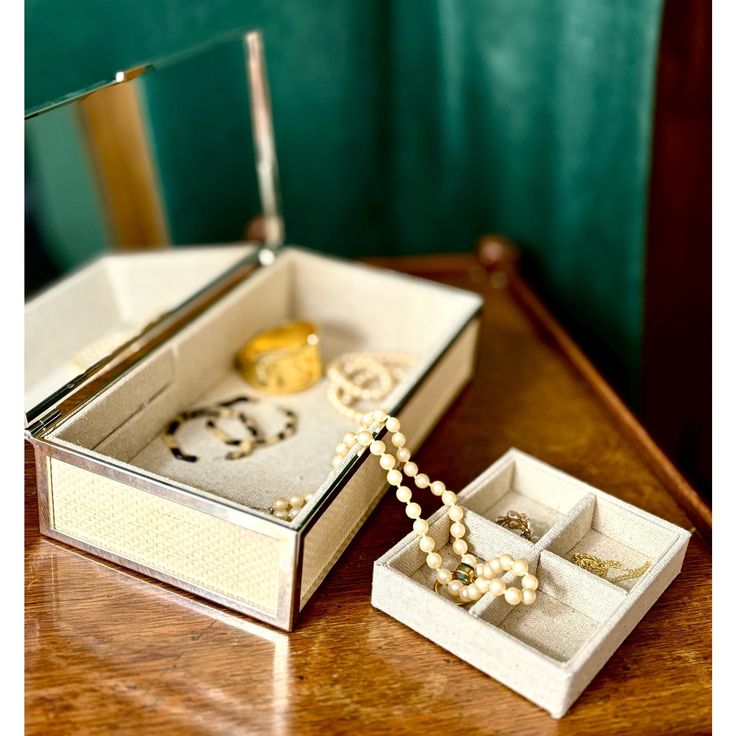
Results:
289 508
471 578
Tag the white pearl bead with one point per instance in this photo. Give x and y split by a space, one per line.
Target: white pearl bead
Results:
496 566
393 424
350 439
308 497
487 571
387 462
293 513
497 586
394 477
422 480
337 461
413 510
296 501
459 546
454 587
403 493
420 527
403 454
438 488
280 503
520 567
398 440
529 582
365 438
456 513
281 514
471 560
341 449
377 447
482 585
473 592
449 498
434 560
507 562
464 595
426 544
444 576
457 530
411 469
478 568
512 596
379 416
528 596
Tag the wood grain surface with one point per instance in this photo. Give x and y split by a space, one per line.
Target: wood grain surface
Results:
109 651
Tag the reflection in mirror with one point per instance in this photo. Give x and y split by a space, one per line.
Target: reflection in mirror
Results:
163 156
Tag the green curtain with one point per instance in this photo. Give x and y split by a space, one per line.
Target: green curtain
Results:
416 125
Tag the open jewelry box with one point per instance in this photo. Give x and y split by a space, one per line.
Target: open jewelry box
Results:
108 483
549 651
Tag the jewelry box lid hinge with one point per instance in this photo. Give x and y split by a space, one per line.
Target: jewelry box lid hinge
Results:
45 422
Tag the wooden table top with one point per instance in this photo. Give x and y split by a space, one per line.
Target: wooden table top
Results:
109 651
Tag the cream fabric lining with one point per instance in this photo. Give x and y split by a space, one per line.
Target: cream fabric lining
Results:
105 300
347 302
572 603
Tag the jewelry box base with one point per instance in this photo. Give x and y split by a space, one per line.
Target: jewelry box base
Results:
549 651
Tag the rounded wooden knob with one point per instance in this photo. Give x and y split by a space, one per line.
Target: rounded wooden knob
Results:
496 252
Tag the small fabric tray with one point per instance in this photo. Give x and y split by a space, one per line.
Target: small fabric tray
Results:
550 651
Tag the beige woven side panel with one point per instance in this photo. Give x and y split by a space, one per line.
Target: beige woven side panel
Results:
173 539
326 540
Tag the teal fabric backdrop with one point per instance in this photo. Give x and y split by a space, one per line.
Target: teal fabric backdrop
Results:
416 125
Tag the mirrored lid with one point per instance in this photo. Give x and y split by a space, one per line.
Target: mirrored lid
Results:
121 176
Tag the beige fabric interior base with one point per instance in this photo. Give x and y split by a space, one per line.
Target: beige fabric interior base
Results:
350 305
550 626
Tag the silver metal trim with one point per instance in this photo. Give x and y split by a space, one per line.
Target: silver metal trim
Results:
43 471
264 143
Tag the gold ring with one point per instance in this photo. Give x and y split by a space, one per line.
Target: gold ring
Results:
517 522
283 360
